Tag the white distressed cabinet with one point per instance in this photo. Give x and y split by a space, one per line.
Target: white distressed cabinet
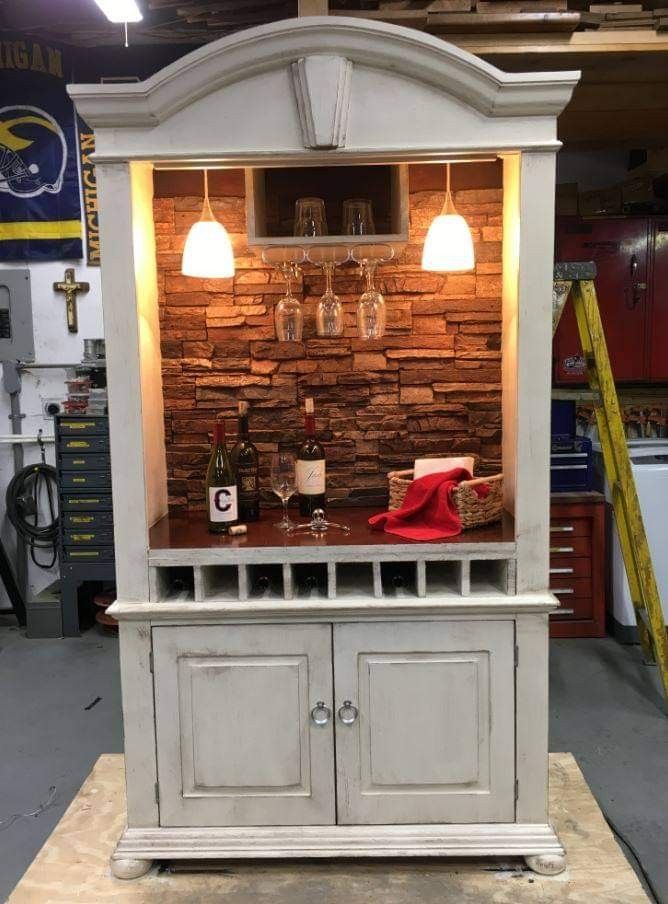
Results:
251 731
433 707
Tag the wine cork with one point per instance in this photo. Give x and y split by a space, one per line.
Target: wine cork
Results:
237 529
243 408
308 406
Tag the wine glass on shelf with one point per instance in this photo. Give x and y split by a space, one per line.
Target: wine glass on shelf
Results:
358 217
371 312
310 217
288 313
329 313
284 483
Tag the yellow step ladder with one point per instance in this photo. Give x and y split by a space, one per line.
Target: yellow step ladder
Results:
577 281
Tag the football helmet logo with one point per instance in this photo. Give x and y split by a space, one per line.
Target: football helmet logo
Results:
33 152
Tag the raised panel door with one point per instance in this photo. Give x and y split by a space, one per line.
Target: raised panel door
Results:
425 722
235 741
618 247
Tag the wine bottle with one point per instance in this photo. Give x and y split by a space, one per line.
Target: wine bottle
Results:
221 485
310 467
245 462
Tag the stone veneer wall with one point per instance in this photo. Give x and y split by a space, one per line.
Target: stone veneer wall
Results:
430 386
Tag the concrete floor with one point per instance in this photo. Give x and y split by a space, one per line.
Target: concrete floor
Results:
605 709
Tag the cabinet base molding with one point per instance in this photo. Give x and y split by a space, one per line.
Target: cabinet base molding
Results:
538 843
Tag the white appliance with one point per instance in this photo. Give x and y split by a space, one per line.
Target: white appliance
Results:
649 463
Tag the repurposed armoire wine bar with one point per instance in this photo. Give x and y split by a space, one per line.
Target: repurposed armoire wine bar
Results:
354 723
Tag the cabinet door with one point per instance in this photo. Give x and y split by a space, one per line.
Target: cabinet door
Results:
433 737
619 249
658 325
236 743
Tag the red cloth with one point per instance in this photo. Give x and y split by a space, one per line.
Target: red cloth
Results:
428 511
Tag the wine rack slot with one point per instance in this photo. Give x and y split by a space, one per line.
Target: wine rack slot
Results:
173 584
310 581
354 579
216 582
399 579
444 579
265 582
489 576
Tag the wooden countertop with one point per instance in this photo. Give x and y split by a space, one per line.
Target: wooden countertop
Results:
190 532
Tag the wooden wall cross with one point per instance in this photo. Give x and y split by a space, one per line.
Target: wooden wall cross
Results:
71 288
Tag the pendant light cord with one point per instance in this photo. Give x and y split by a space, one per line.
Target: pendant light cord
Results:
207 213
449 206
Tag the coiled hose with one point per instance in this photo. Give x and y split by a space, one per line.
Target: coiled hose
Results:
24 493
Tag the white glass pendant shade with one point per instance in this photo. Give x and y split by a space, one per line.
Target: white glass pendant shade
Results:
449 245
208 249
120 10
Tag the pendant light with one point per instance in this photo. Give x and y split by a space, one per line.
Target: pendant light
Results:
448 246
208 250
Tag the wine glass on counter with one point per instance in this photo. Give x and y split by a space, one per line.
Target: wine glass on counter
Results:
371 311
284 483
329 313
310 217
288 313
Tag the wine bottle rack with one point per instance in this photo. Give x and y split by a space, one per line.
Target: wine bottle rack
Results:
333 580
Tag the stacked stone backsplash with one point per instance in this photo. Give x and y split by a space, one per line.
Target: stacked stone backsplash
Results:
431 386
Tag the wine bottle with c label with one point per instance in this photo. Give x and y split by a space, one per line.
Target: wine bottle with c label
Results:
221 485
310 467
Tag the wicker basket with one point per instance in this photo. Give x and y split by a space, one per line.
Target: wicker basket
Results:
472 510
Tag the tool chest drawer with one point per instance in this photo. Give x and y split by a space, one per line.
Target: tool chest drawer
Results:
74 480
75 555
83 445
88 537
91 502
85 462
83 521
83 425
577 564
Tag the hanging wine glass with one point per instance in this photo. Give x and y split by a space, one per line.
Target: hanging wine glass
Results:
371 312
288 313
329 313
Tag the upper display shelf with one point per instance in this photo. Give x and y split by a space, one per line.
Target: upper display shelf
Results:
327 205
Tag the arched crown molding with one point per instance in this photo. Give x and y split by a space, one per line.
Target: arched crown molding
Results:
318 49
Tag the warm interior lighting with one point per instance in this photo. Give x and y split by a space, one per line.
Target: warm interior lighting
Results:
208 250
448 246
120 10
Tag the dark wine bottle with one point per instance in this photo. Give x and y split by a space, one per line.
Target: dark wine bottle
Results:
245 462
221 485
310 467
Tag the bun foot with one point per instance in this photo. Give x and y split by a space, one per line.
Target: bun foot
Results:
128 868
546 864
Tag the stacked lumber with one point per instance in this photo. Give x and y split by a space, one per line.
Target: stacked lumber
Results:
625 16
470 16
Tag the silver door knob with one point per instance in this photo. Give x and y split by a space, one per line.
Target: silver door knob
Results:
321 714
348 713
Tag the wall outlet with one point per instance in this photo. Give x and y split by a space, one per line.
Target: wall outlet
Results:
51 407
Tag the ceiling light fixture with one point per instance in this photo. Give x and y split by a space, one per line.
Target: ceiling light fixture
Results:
120 10
208 249
448 246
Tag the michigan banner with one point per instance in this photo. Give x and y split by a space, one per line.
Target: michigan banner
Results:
40 213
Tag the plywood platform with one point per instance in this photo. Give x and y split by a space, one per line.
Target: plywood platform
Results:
73 865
